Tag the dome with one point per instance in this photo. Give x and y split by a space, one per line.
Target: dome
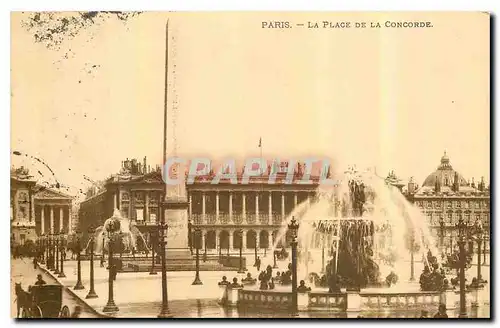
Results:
444 174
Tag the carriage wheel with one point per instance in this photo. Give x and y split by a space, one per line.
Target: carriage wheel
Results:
36 312
64 312
25 313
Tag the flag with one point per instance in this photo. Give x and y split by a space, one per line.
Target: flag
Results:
260 142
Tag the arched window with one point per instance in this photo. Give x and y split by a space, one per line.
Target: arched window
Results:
224 239
264 239
251 239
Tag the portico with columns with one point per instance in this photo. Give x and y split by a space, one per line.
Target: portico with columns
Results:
53 212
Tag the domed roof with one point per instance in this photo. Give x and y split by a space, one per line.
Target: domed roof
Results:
444 174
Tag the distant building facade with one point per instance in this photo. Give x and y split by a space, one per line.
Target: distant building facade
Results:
36 210
220 210
445 197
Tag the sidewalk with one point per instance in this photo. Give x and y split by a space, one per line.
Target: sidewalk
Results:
138 294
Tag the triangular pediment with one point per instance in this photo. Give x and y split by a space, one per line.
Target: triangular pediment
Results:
51 194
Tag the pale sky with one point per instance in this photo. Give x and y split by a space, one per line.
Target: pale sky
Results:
391 98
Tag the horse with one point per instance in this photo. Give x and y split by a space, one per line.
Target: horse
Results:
23 298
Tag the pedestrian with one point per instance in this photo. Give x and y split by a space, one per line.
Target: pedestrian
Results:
39 280
257 263
34 262
76 312
441 314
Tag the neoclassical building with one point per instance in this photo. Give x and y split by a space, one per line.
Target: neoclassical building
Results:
36 210
221 210
446 196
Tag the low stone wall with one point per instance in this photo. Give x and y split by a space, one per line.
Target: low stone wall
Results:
264 299
324 301
401 301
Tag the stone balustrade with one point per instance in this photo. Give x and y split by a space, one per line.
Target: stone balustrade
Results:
327 301
236 219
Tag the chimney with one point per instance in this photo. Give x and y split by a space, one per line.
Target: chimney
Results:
411 186
144 166
473 184
149 168
481 184
456 183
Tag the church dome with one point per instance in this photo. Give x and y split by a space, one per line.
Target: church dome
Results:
444 174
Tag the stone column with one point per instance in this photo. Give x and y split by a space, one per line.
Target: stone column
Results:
295 199
16 206
32 207
270 209
244 205
217 205
119 195
114 201
283 205
244 240
146 206
42 219
51 219
70 220
217 240
257 241
257 206
231 239
190 205
203 236
230 205
61 219
203 205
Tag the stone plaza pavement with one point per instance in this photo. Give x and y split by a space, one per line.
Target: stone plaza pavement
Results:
138 294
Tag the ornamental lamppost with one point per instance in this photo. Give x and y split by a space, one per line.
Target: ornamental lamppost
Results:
162 234
293 227
462 226
78 284
255 248
197 244
49 251
56 240
154 241
92 293
63 253
479 235
112 226
240 232
42 251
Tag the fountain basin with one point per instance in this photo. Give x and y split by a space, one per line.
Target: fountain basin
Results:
383 300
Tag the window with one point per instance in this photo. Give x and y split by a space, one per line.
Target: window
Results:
436 204
450 217
477 204
448 204
429 205
459 204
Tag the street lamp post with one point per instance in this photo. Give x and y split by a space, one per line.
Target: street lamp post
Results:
63 253
44 246
92 293
441 231
197 243
162 229
293 227
255 248
462 226
479 232
241 270
78 284
56 269
112 225
154 239
49 252
323 257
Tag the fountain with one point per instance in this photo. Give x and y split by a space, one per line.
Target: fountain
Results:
364 223
128 237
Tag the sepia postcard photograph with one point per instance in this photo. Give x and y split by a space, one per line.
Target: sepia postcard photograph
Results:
296 165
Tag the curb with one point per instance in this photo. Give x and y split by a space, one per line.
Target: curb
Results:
96 312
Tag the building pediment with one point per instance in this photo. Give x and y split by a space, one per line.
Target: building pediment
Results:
51 194
153 177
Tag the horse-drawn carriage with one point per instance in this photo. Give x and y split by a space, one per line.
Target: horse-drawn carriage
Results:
44 301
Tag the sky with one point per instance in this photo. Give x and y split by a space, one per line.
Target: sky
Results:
391 98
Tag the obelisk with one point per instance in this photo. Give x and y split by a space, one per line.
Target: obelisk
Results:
175 204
